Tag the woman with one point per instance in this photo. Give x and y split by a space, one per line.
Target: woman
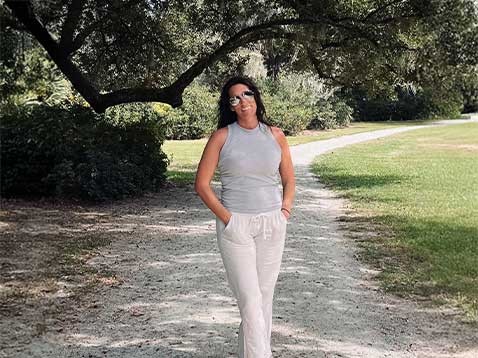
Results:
252 215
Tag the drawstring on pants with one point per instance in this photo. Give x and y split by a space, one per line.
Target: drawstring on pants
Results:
251 248
260 221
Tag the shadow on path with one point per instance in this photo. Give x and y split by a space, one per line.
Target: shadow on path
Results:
171 299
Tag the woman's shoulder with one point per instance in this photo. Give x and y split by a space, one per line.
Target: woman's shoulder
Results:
221 132
218 137
277 131
278 134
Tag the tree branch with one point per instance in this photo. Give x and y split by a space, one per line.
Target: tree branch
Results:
172 94
23 11
72 19
379 9
81 37
315 63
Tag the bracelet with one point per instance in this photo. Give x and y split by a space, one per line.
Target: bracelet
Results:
286 210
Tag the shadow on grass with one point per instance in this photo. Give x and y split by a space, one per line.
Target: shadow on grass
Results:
185 176
424 257
337 180
181 177
181 174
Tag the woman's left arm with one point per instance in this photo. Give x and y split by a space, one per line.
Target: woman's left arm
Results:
286 171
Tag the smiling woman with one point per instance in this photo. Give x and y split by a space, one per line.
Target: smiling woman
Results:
252 215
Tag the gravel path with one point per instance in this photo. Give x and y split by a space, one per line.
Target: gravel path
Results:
172 300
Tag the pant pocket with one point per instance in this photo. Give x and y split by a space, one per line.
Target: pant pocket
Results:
228 226
282 217
234 231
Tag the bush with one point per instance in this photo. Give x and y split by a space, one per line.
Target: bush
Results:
72 152
440 105
290 117
195 119
407 104
469 90
297 101
27 74
332 113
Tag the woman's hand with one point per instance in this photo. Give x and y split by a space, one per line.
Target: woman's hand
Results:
228 219
285 212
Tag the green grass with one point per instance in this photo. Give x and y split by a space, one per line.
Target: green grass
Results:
420 191
184 155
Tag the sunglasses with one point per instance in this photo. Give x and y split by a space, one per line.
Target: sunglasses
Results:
234 101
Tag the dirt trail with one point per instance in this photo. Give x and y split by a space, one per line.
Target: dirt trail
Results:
171 298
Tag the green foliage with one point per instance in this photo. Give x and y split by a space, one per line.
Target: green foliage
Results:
296 101
374 44
290 117
469 89
406 103
215 75
177 125
254 67
196 118
10 62
440 104
331 113
69 151
27 75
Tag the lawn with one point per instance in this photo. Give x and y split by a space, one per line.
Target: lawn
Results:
419 191
184 155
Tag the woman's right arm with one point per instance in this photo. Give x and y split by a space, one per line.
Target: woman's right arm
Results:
205 173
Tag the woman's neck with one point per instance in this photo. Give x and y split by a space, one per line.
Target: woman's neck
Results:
248 123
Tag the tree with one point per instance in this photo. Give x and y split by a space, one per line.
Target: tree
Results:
26 74
150 50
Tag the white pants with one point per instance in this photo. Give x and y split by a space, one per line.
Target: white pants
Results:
251 247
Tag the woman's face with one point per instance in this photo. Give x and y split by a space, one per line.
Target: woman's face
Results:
247 105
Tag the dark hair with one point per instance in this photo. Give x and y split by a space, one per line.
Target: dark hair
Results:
226 116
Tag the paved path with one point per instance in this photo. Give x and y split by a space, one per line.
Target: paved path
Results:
172 299
303 154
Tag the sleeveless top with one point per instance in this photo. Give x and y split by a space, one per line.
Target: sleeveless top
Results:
249 170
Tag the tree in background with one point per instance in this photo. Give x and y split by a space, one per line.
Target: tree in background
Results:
138 51
469 89
27 75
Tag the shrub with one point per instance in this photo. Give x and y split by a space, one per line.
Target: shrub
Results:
27 74
343 113
297 101
196 118
70 151
291 118
332 113
438 104
408 103
469 90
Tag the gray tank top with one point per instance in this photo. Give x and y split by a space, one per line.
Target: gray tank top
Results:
249 170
